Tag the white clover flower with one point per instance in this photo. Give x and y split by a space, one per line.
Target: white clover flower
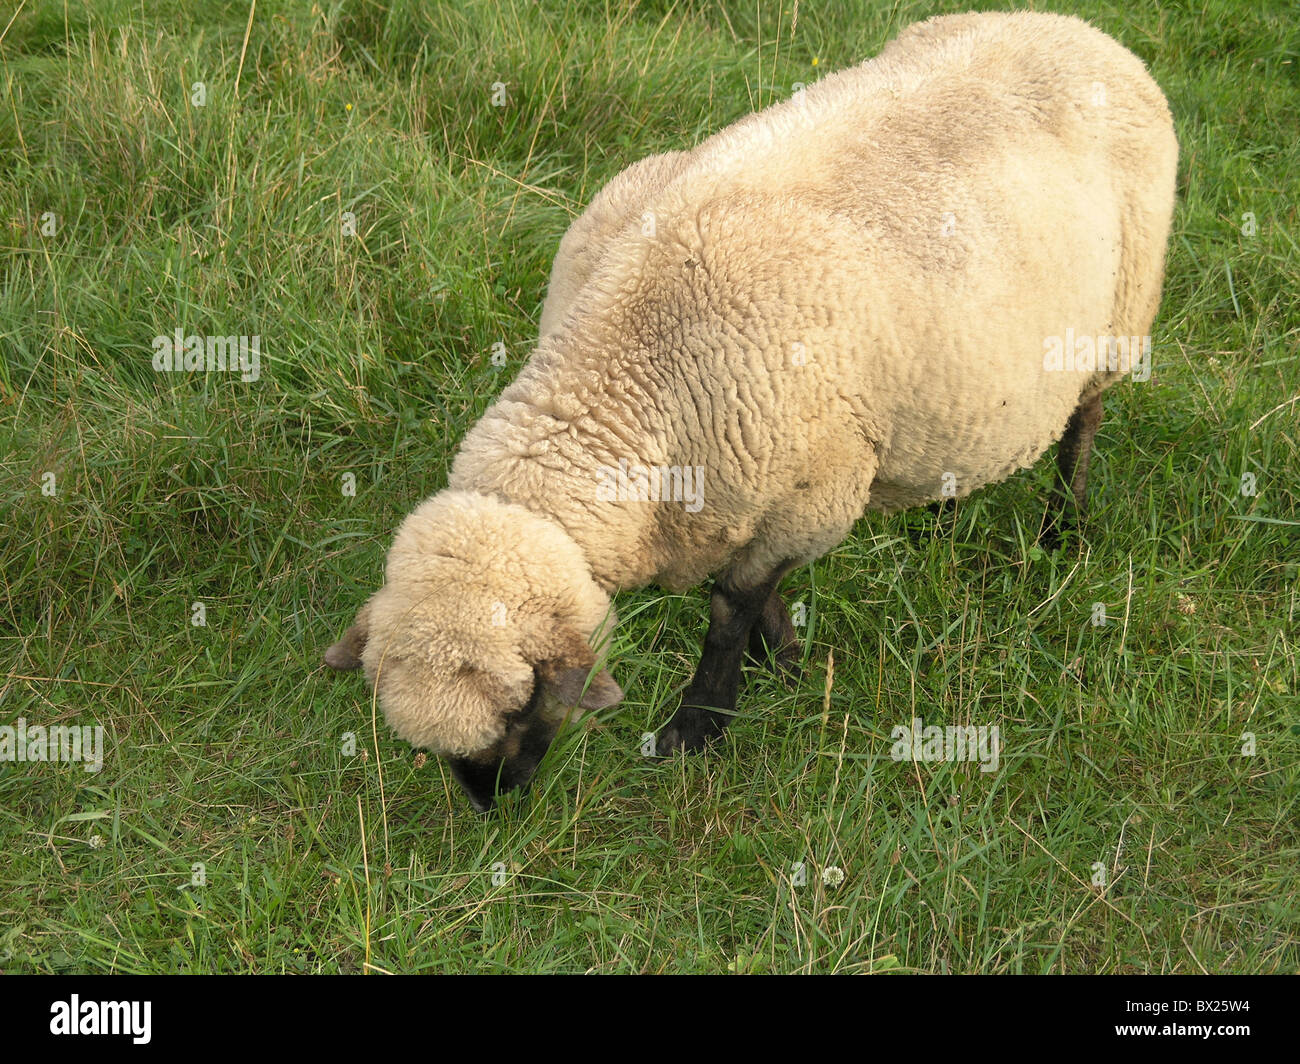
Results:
832 876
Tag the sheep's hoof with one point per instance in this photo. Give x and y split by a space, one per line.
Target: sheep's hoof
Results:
789 666
1054 535
691 730
786 662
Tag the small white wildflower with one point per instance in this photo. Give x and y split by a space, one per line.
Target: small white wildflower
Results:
832 876
96 842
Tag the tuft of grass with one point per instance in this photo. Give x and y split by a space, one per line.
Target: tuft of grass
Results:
347 191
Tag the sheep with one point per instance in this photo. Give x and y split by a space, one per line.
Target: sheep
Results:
615 206
853 300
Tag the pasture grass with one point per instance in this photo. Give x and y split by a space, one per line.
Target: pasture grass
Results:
233 829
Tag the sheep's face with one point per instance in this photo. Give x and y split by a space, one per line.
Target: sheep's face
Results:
479 646
510 762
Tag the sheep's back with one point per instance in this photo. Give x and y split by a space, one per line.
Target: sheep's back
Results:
893 253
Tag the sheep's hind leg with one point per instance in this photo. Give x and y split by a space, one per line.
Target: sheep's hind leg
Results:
710 700
919 529
774 637
1072 456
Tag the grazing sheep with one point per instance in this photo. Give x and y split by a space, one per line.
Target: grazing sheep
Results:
852 300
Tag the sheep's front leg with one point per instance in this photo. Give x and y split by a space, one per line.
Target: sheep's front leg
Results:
774 635
710 700
1072 457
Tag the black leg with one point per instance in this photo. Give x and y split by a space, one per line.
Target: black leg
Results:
919 529
1072 457
710 699
774 637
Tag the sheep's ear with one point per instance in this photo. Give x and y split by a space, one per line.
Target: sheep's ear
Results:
566 686
346 653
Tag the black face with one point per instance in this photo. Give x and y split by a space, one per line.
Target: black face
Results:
509 764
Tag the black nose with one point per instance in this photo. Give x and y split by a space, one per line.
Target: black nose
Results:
481 805
483 781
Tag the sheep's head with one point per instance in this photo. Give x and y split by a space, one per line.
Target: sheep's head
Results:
480 643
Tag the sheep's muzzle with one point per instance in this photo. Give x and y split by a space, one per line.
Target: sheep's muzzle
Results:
510 763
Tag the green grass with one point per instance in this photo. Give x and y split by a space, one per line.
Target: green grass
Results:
1122 743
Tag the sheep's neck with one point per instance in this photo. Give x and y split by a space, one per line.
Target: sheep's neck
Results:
568 470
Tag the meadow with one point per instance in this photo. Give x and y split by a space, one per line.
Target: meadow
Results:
375 191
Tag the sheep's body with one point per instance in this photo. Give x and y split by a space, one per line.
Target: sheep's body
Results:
845 301
839 303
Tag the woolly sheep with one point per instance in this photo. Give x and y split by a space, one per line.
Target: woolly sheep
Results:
852 300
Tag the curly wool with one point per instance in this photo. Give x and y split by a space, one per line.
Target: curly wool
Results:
845 301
